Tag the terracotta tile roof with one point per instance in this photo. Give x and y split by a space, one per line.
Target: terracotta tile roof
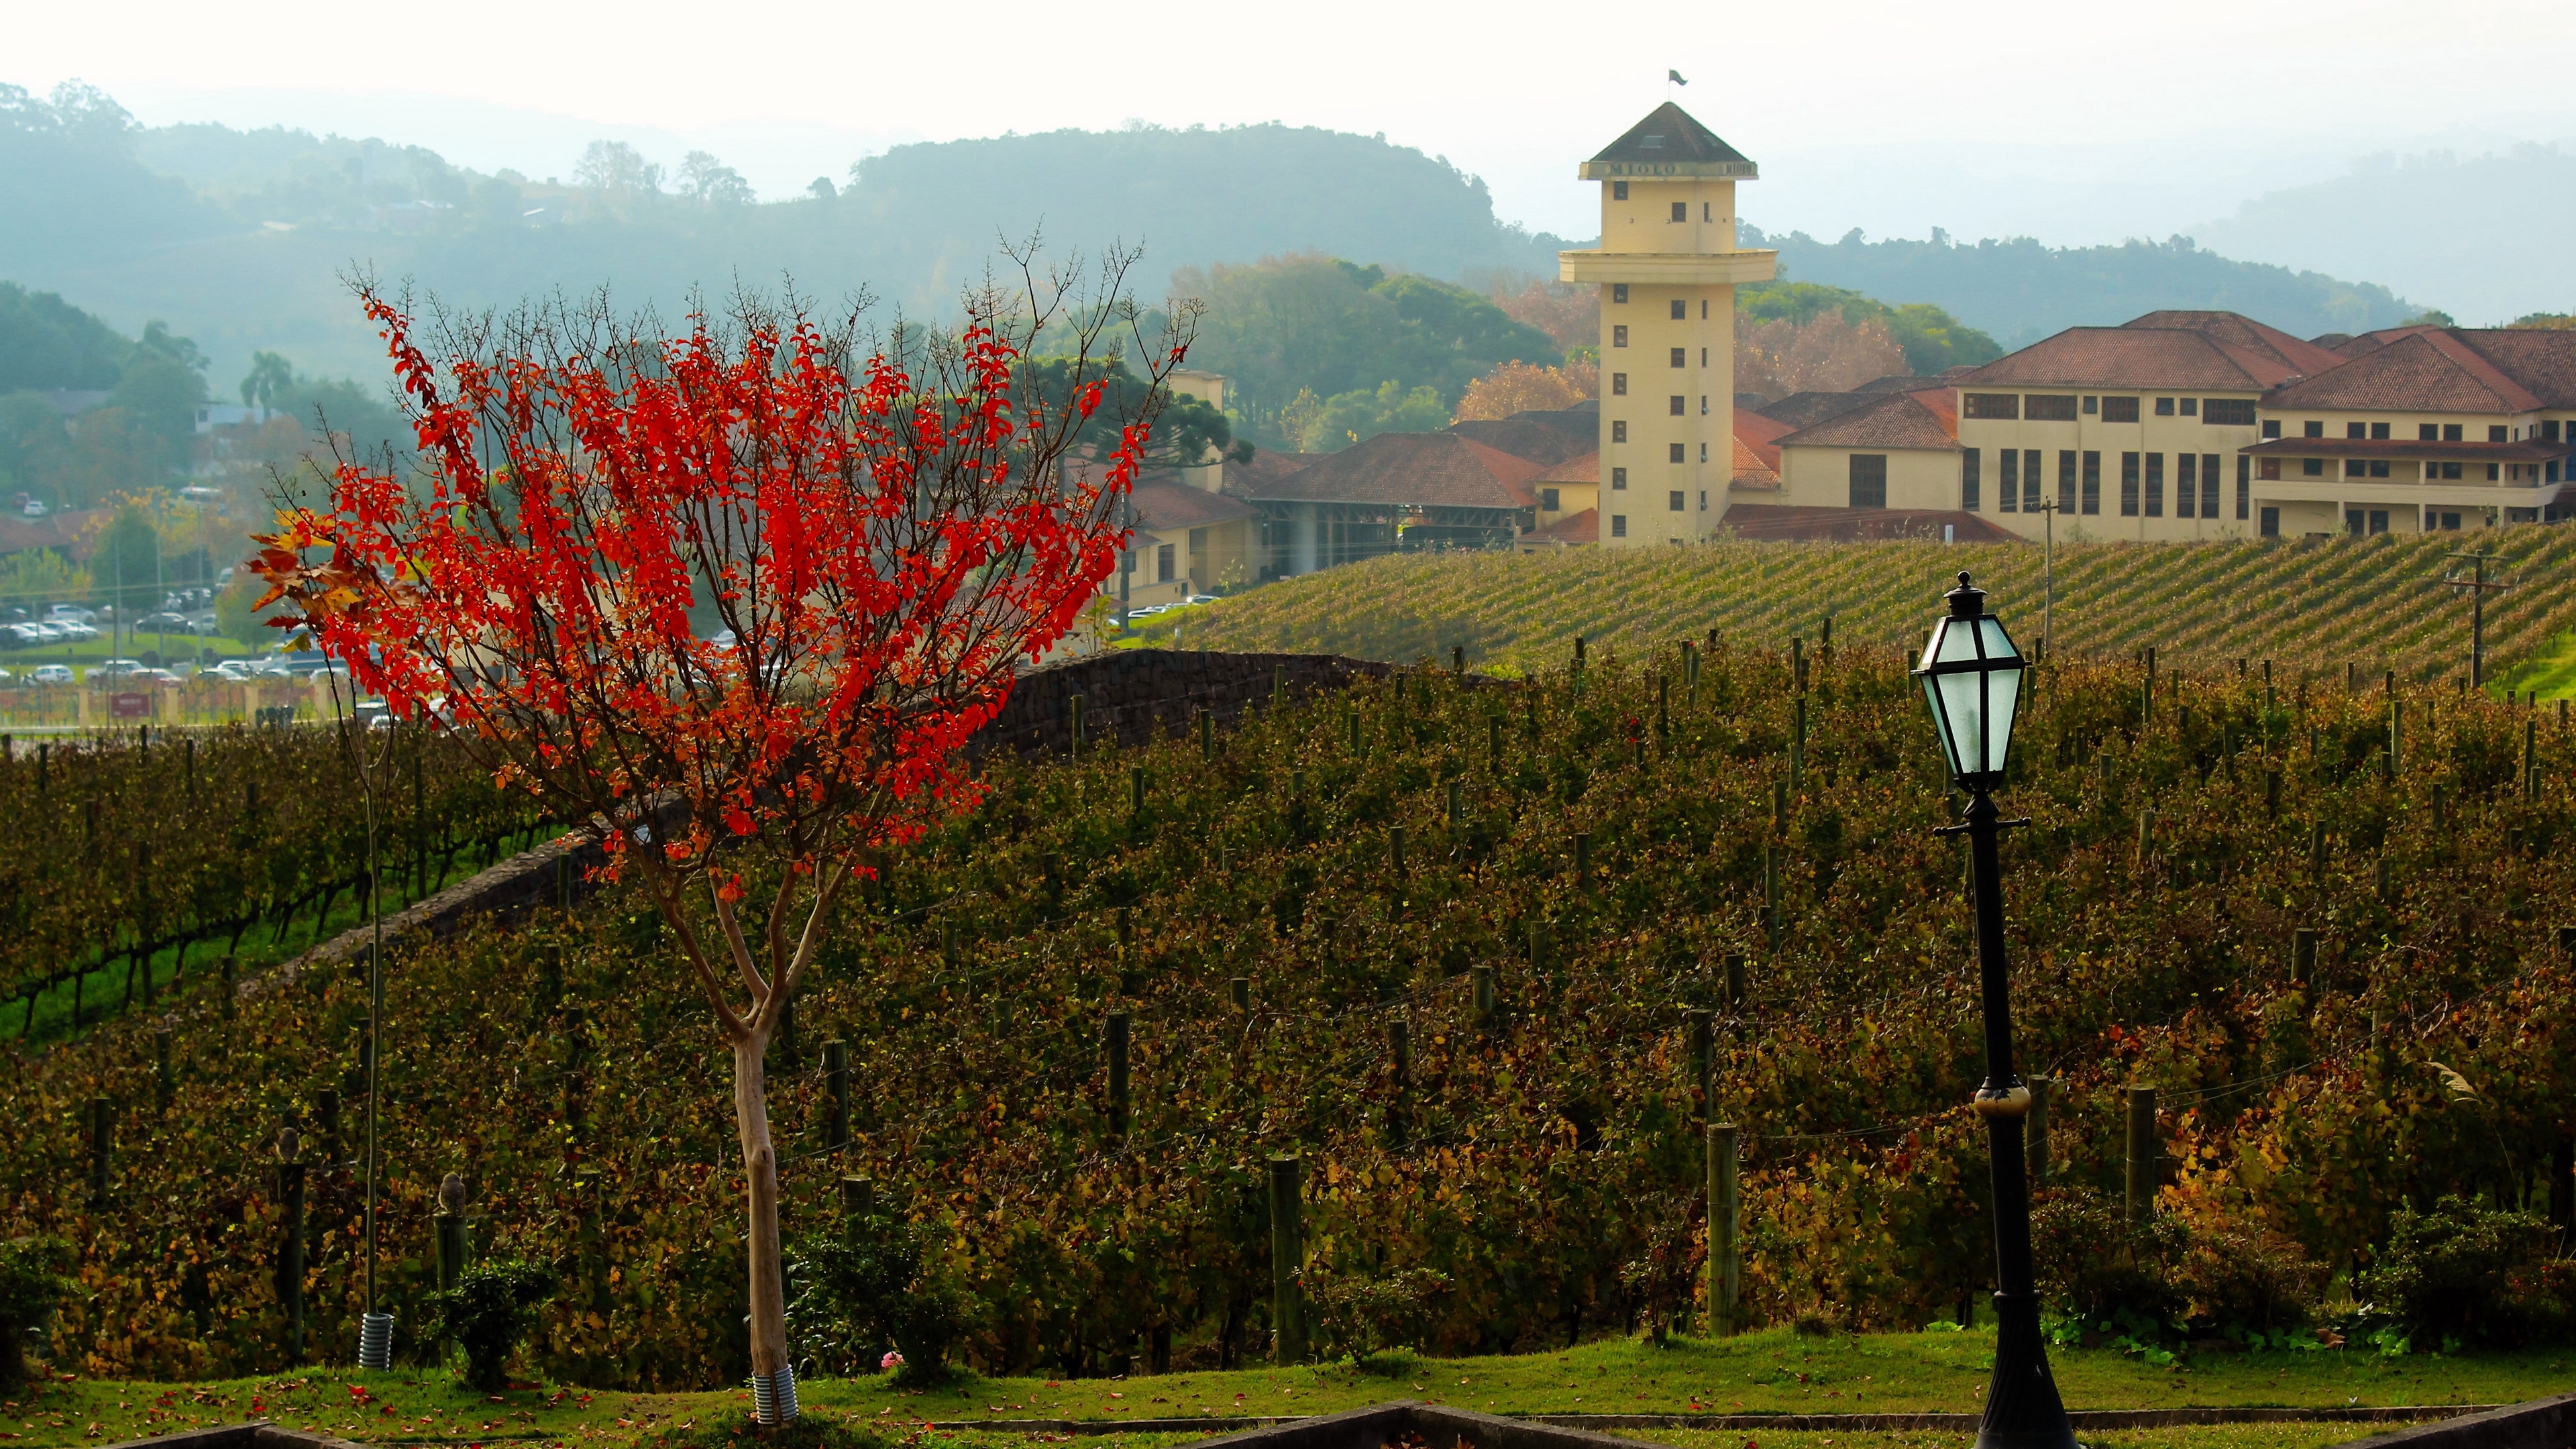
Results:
1900 382
2542 359
1896 420
1752 473
1582 472
1241 480
1848 525
1584 527
1806 409
1434 469
2428 371
75 533
1541 438
1761 436
1670 134
1164 505
2244 334
2185 351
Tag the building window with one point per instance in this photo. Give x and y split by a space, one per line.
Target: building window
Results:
1678 404
1618 384
1681 357
2066 480
2447 522
1681 310
2352 522
2092 405
2313 428
1618 525
2119 410
2045 409
2092 481
2451 433
1619 334
2164 407
2428 432
2228 412
1971 465
2491 472
2155 485
2356 430
2271 467
1547 501
1703 500
2379 431
2186 485
1618 430
1869 480
1618 291
1681 211
1703 404
1619 192
2549 430
2499 434
2271 523
2355 468
2004 406
2191 407
2271 426
1703 452
1163 563
1674 454
2244 485
2312 467
2209 486
2128 485
1676 504
2030 481
1618 478
2007 478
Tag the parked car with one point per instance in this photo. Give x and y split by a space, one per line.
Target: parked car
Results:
234 671
30 635
115 668
72 612
73 629
164 622
51 674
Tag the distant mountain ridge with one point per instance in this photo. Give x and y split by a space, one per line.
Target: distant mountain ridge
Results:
246 251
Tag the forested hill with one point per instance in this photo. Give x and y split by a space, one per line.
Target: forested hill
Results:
2020 291
238 239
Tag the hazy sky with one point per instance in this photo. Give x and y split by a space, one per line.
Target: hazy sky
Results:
2070 122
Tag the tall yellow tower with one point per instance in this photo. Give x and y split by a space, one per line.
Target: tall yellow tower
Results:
1667 269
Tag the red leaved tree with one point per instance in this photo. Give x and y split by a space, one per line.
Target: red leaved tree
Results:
887 527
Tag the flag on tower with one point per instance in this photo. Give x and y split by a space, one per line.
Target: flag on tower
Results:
1675 77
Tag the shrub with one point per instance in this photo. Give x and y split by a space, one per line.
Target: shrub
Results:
1362 1316
2468 1274
33 1281
813 1429
2191 1274
491 1308
876 1282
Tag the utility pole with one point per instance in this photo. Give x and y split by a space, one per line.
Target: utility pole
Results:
2048 579
2477 584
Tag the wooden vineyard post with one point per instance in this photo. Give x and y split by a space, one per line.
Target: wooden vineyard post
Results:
2530 757
1457 803
290 1251
1241 989
1399 1065
1287 1310
1458 661
1690 671
2035 1130
450 1223
1073 706
2141 1200
1117 1044
1480 981
1798 744
2303 959
1700 1028
1395 852
1135 795
1735 983
858 1199
1582 860
836 1079
1493 742
102 1148
326 1109
1779 808
2272 794
1724 1281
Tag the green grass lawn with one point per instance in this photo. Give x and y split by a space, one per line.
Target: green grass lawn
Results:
129 646
2551 670
1770 1372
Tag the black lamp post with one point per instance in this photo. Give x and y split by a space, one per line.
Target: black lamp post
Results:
1972 676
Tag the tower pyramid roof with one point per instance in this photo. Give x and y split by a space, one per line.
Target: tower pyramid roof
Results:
1669 142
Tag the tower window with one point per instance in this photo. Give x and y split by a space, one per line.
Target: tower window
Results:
1673 453
1707 211
1703 309
1619 334
1675 504
1548 499
1678 402
1681 357
1618 191
1618 430
1681 211
1618 384
1869 480
1618 478
1618 525
1681 310
1618 291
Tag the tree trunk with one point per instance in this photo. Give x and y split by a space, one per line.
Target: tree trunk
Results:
760 1181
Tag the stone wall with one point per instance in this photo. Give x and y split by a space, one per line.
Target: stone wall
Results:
1132 694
